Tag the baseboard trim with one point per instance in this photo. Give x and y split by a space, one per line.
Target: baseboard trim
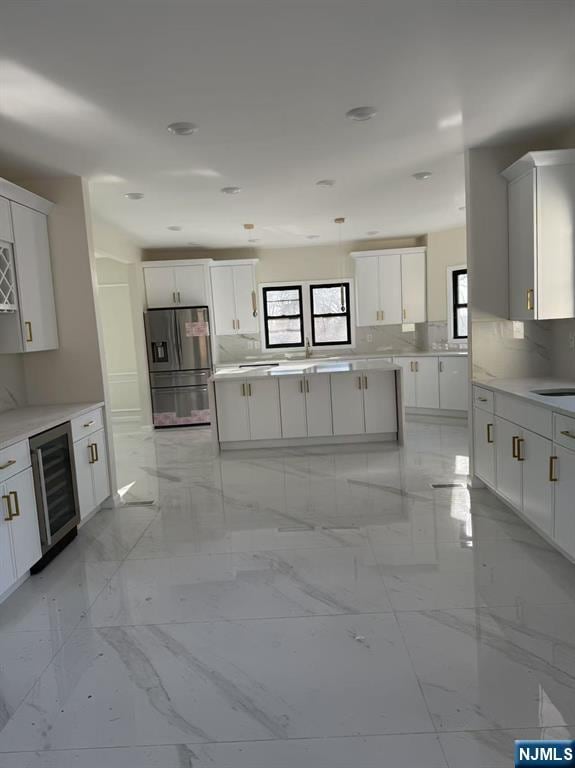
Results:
304 442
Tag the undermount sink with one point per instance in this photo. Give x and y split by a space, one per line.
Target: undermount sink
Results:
555 392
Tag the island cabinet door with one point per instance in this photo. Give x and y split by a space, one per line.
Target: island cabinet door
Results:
427 382
264 409
538 485
484 445
292 402
7 576
379 402
408 375
509 469
83 457
232 410
24 525
347 403
564 471
318 405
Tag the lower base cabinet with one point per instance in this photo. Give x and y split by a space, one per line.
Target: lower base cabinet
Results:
248 410
453 383
91 460
535 453
20 544
306 406
564 472
484 437
509 470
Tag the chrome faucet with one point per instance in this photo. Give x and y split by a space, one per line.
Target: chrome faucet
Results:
307 347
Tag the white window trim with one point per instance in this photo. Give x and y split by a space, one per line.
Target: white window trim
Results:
450 318
306 311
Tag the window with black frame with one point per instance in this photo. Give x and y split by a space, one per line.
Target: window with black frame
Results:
283 316
330 314
460 311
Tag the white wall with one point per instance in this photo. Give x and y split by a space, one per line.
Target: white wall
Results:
444 249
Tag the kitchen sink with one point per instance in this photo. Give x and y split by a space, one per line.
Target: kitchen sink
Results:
555 392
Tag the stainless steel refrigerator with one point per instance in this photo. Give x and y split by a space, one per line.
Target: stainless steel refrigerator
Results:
180 364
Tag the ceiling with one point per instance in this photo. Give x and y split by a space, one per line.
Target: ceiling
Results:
89 87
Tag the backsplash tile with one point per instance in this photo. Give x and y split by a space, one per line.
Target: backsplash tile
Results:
511 349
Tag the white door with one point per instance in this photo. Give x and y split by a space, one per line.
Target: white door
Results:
379 402
453 383
5 221
264 408
292 402
509 469
223 300
160 287
564 495
413 287
35 286
538 495
427 382
318 405
367 291
24 526
190 282
245 298
521 217
100 467
232 410
347 404
389 279
84 479
7 576
408 375
484 437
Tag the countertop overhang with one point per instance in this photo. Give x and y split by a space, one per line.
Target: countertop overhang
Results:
22 423
302 368
523 389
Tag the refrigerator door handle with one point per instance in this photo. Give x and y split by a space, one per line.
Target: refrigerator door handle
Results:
178 339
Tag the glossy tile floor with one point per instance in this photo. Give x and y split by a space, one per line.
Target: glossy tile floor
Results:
320 608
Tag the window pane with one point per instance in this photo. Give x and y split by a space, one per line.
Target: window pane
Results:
462 321
329 300
283 302
461 297
284 331
330 330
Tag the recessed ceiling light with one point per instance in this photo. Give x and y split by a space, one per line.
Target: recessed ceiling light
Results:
325 183
175 228
182 129
360 114
422 175
451 121
231 190
372 232
312 237
134 195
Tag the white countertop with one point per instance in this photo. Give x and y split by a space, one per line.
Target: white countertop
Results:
308 367
22 423
341 358
523 388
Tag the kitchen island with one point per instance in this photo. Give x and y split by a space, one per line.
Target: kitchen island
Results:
307 403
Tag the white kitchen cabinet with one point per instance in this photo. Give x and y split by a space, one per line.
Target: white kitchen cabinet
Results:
233 415
453 383
91 463
34 277
248 410
293 407
420 381
564 529
408 381
390 286
541 197
484 437
509 469
306 406
413 286
347 404
176 284
20 544
318 405
6 232
379 399
535 454
264 409
234 297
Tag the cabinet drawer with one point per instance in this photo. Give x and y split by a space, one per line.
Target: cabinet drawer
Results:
564 431
87 423
539 420
14 459
483 398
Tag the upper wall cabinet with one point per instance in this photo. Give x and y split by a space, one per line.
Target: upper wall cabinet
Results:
234 297
390 286
177 283
541 201
28 320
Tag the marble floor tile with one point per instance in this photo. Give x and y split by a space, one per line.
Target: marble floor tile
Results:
495 668
397 751
241 586
222 681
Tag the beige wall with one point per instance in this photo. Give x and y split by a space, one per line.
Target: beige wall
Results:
444 249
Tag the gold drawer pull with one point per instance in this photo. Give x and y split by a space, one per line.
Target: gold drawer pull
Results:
566 433
8 508
16 503
359 382
553 469
365 382
9 463
96 454
29 337
307 385
91 453
89 424
301 386
482 399
514 448
490 433
520 456
530 299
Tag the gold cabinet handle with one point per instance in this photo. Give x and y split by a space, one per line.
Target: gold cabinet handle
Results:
307 385
520 442
411 366
250 389
301 385
553 469
530 299
482 399
382 314
440 366
9 463
359 382
96 454
174 297
6 499
490 433
417 366
514 447
243 390
237 324
254 304
566 433
404 314
89 424
179 298
29 336
365 382
16 503
91 453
